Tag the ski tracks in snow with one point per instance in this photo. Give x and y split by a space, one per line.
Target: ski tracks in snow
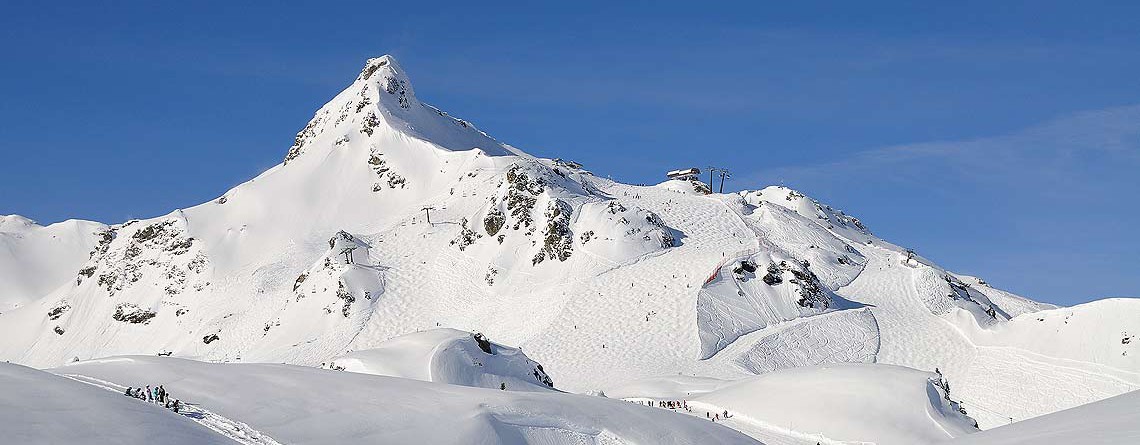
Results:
238 431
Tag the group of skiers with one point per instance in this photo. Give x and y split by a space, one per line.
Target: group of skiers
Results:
716 416
154 395
672 404
684 404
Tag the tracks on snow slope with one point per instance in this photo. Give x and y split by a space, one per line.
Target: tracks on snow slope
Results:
238 431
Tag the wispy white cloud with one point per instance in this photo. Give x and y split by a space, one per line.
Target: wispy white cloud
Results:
1081 151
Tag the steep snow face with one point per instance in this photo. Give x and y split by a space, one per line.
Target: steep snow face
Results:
1012 305
42 408
449 356
35 260
305 405
1107 422
753 292
833 259
879 404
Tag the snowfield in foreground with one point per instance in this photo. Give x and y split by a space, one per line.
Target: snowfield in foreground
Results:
304 405
38 407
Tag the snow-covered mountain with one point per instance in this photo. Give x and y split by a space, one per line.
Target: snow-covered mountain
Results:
388 216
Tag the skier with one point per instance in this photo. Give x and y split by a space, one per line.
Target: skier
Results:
149 394
177 405
161 394
129 390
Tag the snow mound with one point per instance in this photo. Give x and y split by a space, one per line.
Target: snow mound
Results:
687 187
612 230
305 405
833 219
42 408
449 356
1111 421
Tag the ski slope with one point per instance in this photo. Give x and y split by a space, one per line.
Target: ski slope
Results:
388 217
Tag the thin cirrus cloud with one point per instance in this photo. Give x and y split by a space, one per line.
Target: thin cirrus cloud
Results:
1075 151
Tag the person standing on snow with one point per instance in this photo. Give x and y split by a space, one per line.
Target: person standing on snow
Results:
149 394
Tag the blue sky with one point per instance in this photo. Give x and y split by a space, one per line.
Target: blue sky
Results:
1000 139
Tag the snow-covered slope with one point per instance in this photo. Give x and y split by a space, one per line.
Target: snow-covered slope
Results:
1111 421
35 259
857 403
388 217
38 407
305 405
449 356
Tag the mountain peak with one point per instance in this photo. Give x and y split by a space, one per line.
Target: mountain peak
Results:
382 96
15 223
375 63
385 73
